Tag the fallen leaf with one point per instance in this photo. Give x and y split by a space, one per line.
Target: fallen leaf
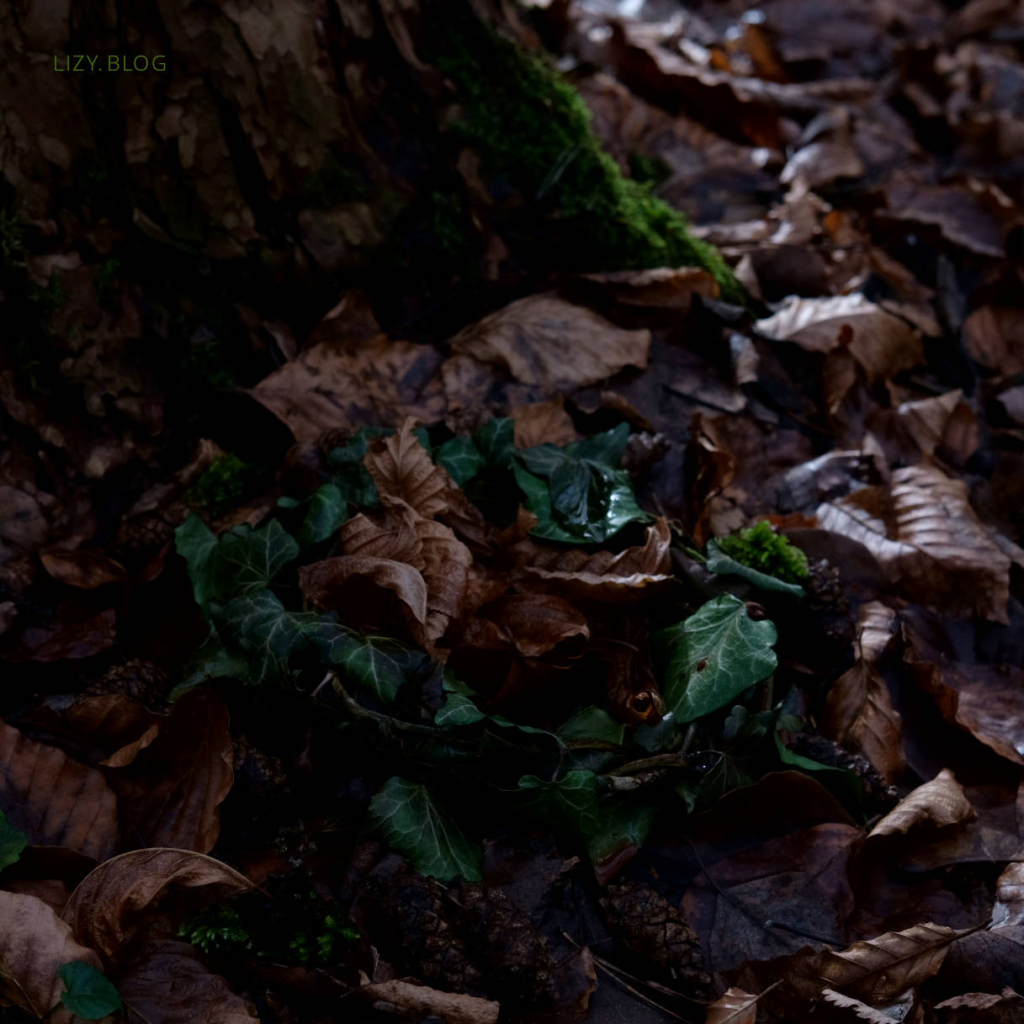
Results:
324 583
938 803
924 533
536 623
994 337
860 1010
981 1008
34 942
453 1007
657 288
1008 910
552 344
56 801
540 422
112 903
86 570
860 713
168 983
66 636
404 473
734 1006
945 420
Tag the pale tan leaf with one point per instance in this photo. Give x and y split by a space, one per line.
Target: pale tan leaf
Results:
452 1007
879 970
734 1006
1009 906
943 420
994 337
169 984
112 902
34 942
552 344
924 533
881 343
446 564
536 623
405 474
657 288
324 582
937 803
543 423
860 714
56 801
860 1010
982 1008
387 533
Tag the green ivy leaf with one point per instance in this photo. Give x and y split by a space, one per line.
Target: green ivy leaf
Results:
327 511
713 656
88 993
845 784
461 457
627 824
606 448
571 802
496 441
721 563
267 632
458 709
246 561
12 842
592 724
196 543
212 661
414 825
350 475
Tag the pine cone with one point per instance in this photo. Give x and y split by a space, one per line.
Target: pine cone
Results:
879 797
141 680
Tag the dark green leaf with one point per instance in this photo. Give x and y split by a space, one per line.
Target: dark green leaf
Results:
606 449
351 476
845 784
89 995
12 842
592 724
196 543
246 562
496 441
725 776
414 825
461 458
267 632
713 656
571 802
570 486
327 511
458 709
626 824
212 661
721 563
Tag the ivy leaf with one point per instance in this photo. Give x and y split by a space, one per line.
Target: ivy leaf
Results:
196 543
627 824
212 661
496 441
327 511
267 632
89 995
845 784
246 561
461 457
721 563
606 448
569 802
414 825
713 656
350 474
724 776
458 709
594 724
12 842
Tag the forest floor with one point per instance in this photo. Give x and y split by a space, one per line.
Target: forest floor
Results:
630 654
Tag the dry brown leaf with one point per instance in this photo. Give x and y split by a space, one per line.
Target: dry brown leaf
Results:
34 942
937 803
169 984
925 535
1009 905
405 474
389 533
881 343
86 570
982 1008
878 970
860 712
860 1010
446 564
324 583
944 420
113 901
536 623
543 422
453 1007
657 288
170 794
994 337
56 801
332 385
552 344
734 1006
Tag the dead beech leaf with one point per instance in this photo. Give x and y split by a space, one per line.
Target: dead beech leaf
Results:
944 420
985 700
169 984
453 1007
404 473
982 1007
324 582
446 564
56 801
937 803
881 343
1009 905
336 385
880 969
543 423
994 337
860 1010
34 942
552 344
860 712
734 1006
86 570
536 623
924 534
658 287
170 793
388 533
112 902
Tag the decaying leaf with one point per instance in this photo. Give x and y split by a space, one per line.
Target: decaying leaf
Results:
324 582
34 942
452 1007
860 711
405 474
734 1006
111 903
937 803
861 1011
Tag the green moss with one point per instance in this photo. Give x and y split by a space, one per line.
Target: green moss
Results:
533 132
223 484
761 548
648 170
216 929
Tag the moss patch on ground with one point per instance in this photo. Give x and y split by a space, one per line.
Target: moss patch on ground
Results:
761 548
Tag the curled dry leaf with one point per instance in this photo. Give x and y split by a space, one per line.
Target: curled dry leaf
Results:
925 534
937 803
945 420
553 345
404 473
543 423
34 942
452 1007
335 385
113 901
881 343
982 1008
879 970
994 337
658 287
390 533
860 713
734 1006
1009 905
170 794
324 582
86 570
536 623
169 984
56 801
860 1010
